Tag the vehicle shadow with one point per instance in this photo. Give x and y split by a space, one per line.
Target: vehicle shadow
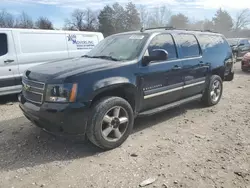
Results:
240 72
150 121
8 99
28 146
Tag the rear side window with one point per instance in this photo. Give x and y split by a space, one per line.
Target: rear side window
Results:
163 41
3 44
188 44
214 46
219 45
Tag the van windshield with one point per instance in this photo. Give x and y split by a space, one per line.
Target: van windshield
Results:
123 47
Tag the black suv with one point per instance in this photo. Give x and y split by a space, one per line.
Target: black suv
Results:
240 46
126 75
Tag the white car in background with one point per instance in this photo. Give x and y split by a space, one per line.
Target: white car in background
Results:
23 48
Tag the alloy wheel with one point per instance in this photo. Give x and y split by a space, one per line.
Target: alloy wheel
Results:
114 124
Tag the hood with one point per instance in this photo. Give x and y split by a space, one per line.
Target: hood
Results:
61 69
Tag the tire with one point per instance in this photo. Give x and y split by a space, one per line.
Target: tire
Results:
207 99
98 126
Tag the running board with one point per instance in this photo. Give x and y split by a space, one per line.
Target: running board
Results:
169 106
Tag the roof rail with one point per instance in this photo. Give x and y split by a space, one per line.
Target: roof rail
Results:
170 27
208 30
166 28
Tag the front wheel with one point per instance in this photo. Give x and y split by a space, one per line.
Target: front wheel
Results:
213 92
111 122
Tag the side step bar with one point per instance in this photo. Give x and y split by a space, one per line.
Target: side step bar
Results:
169 106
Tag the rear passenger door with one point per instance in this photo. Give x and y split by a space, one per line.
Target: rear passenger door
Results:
194 69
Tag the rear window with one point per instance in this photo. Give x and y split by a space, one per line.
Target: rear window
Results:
188 44
3 44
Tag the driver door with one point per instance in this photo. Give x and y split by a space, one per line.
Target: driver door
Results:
161 81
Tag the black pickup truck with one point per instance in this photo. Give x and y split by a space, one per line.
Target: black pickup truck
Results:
240 46
126 75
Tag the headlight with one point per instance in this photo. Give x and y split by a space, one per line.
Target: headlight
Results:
61 93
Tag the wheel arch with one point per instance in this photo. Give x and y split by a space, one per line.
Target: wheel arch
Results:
124 90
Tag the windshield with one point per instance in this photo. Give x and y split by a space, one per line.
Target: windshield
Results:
122 47
233 42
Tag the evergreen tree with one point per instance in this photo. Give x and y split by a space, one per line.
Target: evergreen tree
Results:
133 21
223 22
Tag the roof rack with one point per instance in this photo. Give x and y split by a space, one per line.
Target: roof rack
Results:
166 28
170 27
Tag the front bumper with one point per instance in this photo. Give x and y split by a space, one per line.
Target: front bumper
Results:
57 118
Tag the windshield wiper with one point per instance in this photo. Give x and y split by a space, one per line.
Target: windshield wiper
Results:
87 56
105 57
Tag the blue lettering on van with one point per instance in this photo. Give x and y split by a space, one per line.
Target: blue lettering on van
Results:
85 44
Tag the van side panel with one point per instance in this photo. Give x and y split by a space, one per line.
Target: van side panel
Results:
81 43
9 74
34 48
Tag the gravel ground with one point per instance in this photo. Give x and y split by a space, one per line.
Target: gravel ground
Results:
189 146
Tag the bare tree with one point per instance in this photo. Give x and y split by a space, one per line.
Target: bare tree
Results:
24 21
208 25
242 19
44 23
6 20
144 14
91 20
197 25
81 20
160 16
179 21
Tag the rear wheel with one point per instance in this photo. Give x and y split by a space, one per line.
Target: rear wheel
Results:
111 122
213 92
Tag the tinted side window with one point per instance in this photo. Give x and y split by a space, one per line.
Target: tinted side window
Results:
3 44
205 42
188 44
213 46
163 41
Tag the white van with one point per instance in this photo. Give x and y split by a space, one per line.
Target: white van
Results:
23 48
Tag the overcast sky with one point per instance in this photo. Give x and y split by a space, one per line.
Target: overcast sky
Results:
58 10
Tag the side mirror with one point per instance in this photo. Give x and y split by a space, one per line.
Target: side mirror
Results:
155 55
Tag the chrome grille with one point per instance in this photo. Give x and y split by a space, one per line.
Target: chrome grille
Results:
33 91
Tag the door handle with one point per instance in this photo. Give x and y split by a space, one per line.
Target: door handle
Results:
176 67
9 61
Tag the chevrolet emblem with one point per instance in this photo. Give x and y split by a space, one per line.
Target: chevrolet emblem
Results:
26 87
